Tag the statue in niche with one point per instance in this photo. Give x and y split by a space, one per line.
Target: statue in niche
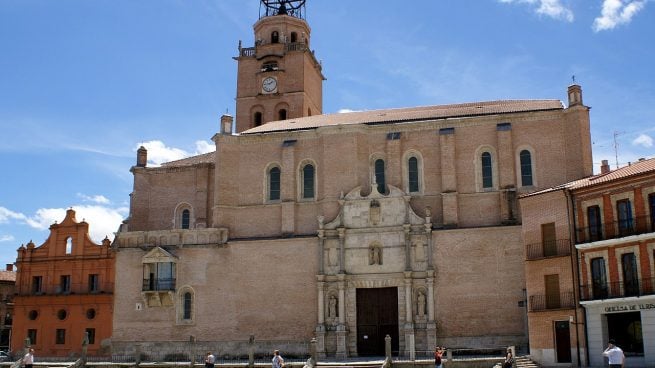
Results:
332 307
419 251
374 212
420 304
375 255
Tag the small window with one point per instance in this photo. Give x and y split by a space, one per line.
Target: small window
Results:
379 176
275 37
626 223
487 171
186 219
69 245
33 315
90 313
595 226
308 181
309 112
526 168
60 338
274 184
31 334
91 335
294 37
62 314
65 284
37 284
188 304
93 283
258 119
282 114
412 167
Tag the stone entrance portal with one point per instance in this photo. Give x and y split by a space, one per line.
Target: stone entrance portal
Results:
377 316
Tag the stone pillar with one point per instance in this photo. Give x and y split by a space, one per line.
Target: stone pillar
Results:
408 259
387 347
342 332
313 359
251 351
428 234
321 251
342 250
321 299
85 345
342 299
137 354
431 327
408 297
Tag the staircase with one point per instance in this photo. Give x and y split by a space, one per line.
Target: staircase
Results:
524 362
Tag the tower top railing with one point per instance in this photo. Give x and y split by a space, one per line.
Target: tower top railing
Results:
293 8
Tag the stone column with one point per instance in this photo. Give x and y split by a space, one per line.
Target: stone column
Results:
408 259
342 250
428 234
409 325
342 332
251 351
320 327
321 251
431 327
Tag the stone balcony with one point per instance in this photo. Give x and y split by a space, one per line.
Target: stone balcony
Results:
176 237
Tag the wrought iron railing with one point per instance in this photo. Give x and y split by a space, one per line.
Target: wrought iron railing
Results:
248 52
556 248
74 288
622 289
552 301
158 284
615 229
297 46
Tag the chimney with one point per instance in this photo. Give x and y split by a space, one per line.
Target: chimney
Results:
642 159
226 124
604 167
575 95
10 266
141 157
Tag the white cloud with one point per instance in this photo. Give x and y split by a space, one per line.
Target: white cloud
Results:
345 111
205 147
551 8
6 215
643 140
617 12
6 238
103 220
100 199
158 152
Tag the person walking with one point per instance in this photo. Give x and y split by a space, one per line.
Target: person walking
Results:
210 359
614 355
438 356
509 359
28 359
278 361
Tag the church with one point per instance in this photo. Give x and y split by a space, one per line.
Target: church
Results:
340 227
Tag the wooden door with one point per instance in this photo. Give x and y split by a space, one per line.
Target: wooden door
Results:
377 316
563 341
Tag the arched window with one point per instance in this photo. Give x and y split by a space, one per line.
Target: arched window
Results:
309 112
257 118
282 114
487 171
379 176
269 66
186 219
412 174
274 184
526 168
187 307
275 37
69 245
294 37
308 181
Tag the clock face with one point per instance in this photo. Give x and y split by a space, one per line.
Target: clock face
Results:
269 84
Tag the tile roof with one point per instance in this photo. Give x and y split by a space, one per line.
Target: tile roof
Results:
8 276
206 158
409 114
632 169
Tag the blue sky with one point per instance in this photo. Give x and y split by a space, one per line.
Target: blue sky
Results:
84 83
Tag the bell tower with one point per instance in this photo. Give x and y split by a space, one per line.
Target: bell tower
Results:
279 77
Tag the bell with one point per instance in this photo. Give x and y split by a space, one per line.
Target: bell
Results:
282 10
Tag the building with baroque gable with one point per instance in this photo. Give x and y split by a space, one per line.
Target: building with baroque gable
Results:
340 227
590 250
64 290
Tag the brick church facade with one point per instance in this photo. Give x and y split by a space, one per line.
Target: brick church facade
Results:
341 227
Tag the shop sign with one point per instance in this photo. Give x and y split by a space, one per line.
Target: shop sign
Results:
629 307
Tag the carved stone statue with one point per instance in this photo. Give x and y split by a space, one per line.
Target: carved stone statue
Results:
375 255
332 307
420 304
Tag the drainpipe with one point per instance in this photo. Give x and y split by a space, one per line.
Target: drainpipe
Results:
570 206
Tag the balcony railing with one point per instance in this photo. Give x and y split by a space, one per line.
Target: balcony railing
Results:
557 248
158 284
615 229
248 52
297 46
555 301
74 288
611 290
